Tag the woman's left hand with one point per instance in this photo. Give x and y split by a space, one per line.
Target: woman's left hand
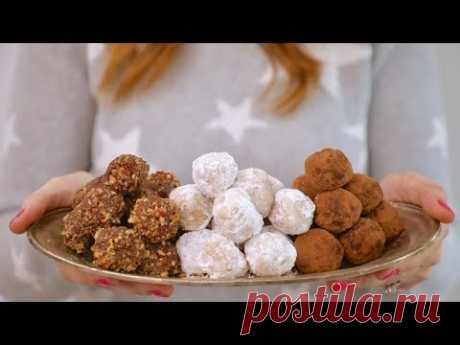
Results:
415 189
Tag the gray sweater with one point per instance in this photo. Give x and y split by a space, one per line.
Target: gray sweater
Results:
380 104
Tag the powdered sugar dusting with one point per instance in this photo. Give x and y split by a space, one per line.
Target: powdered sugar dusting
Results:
270 253
276 184
257 184
235 216
195 208
214 172
292 212
205 252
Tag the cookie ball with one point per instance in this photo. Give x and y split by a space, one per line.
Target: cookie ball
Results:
130 201
235 216
318 251
99 207
214 173
367 190
207 253
292 212
118 249
257 184
195 208
77 237
275 183
337 210
328 169
364 242
270 253
126 173
96 182
306 186
162 260
160 183
156 219
388 218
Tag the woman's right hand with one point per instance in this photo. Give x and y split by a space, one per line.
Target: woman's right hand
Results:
59 192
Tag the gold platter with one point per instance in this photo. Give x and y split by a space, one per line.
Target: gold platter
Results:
421 231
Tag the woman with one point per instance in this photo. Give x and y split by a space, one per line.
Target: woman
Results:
268 105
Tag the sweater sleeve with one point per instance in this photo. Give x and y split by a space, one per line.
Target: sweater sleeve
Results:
46 113
407 132
407 128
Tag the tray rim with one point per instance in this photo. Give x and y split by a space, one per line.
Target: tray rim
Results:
244 281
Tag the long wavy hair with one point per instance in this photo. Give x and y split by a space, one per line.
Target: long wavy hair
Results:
132 67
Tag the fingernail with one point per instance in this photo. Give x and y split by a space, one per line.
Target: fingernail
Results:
444 205
388 274
103 282
338 286
16 216
157 293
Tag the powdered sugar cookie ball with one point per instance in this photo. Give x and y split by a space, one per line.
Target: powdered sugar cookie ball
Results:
214 173
205 252
275 183
235 216
270 253
292 212
257 184
195 208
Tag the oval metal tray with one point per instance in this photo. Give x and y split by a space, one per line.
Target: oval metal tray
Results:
420 232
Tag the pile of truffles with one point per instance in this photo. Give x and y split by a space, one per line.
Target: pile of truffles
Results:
230 222
124 220
352 220
238 221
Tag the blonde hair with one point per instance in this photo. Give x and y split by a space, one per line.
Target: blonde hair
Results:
131 66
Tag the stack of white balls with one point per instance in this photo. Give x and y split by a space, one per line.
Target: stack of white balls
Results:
234 204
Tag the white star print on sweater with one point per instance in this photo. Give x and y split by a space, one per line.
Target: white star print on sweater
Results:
235 120
9 137
439 137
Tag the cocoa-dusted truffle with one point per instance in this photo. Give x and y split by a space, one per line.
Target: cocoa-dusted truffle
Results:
156 219
118 248
367 190
318 251
306 185
328 169
126 173
161 183
388 218
96 182
162 260
337 210
364 242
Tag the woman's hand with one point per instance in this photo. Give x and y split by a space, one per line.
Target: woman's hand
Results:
415 189
59 192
